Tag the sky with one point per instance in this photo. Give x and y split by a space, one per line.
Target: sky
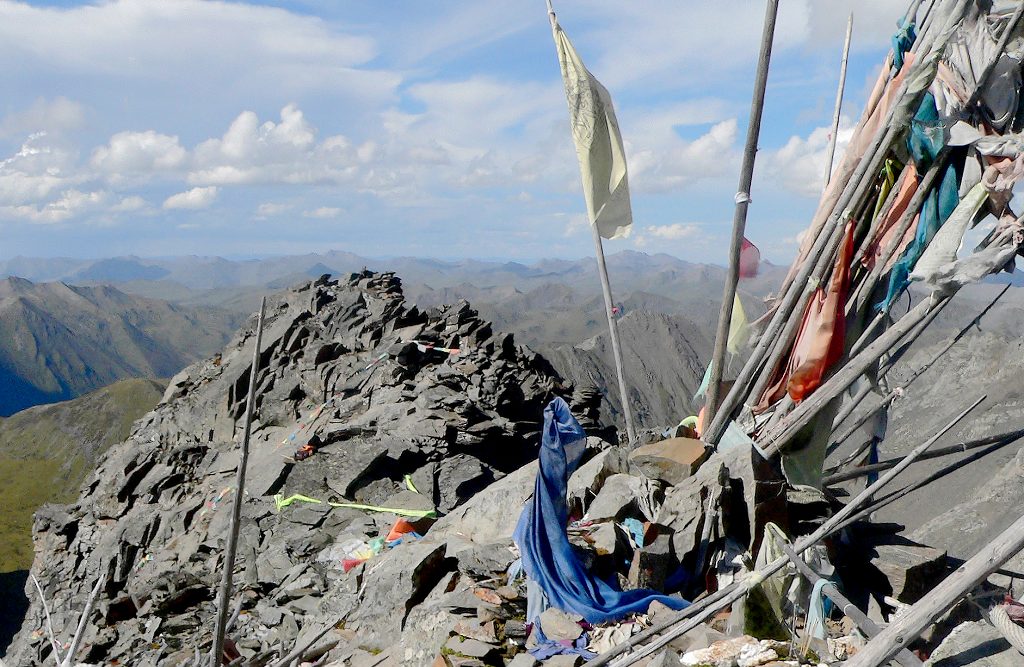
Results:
438 129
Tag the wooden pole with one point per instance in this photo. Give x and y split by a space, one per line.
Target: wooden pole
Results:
1001 438
613 332
839 102
773 443
224 603
698 612
795 295
739 222
909 625
860 619
606 288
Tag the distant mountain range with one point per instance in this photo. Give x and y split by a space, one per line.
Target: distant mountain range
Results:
236 284
61 341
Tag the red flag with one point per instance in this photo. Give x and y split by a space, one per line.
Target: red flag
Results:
750 258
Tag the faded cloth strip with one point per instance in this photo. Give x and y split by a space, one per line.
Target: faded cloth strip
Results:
870 125
820 342
595 131
948 240
739 327
548 557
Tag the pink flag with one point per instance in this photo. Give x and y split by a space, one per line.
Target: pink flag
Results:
750 258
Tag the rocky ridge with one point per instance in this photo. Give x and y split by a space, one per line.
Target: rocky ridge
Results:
378 387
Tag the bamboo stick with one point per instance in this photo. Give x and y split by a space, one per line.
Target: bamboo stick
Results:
909 625
839 102
224 603
739 222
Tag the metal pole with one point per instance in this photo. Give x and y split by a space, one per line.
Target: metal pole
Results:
839 102
613 332
217 650
739 222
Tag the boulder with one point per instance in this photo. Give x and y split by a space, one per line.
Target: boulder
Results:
671 460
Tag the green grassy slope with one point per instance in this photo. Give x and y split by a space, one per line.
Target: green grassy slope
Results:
48 450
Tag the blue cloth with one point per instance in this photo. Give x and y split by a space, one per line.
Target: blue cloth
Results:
816 611
926 141
543 544
902 42
547 648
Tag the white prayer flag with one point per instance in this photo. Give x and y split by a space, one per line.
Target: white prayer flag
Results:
598 143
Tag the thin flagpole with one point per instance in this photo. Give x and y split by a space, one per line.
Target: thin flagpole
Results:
606 288
740 216
839 103
224 603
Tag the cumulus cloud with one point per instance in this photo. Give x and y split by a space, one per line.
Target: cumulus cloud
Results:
799 165
69 204
37 170
674 163
282 152
673 232
129 204
196 198
139 153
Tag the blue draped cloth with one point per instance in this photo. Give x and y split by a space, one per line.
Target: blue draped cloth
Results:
902 41
548 557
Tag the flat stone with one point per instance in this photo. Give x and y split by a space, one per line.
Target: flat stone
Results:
671 460
911 569
558 625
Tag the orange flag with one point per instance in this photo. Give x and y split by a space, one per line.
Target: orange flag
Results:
819 344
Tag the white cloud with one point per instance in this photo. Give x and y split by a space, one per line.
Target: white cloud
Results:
138 153
322 213
70 203
799 165
284 152
672 162
196 198
36 171
673 232
193 45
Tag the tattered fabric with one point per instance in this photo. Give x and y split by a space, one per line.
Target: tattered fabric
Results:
595 131
548 557
926 141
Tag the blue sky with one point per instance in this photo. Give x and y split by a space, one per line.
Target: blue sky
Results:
405 128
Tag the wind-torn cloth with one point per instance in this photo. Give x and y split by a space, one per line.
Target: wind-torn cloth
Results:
548 557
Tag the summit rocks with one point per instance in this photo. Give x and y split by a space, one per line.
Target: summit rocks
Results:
405 410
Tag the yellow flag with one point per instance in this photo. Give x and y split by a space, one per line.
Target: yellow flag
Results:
595 132
739 327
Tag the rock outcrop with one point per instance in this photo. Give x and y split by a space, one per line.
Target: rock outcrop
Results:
405 410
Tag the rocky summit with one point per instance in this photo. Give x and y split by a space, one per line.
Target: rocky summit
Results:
371 417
